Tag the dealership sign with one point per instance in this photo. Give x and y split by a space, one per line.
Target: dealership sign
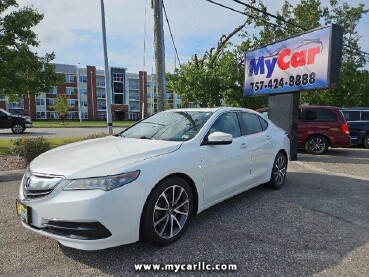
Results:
304 62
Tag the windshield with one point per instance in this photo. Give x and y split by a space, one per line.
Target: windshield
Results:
5 112
173 126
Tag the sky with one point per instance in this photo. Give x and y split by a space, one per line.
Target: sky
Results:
72 30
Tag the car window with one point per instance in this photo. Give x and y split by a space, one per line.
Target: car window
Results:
227 123
264 123
351 115
365 115
318 115
251 123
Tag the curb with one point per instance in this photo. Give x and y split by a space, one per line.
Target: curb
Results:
12 175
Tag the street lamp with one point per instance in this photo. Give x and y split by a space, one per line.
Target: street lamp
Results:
107 75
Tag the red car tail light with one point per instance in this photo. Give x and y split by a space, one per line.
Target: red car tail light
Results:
344 128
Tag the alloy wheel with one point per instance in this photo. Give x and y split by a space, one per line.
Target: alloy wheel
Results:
317 145
280 170
171 212
17 128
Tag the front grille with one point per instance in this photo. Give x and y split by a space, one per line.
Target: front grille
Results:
90 230
35 185
32 194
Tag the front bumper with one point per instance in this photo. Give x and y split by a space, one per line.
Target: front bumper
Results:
88 219
28 125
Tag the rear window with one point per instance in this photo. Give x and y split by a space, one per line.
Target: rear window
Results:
351 115
318 115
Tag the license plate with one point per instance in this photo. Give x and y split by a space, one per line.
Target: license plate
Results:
24 212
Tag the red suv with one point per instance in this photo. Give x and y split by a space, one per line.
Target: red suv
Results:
321 127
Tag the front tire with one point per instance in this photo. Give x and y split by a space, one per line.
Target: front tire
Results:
18 128
366 141
167 212
279 171
316 145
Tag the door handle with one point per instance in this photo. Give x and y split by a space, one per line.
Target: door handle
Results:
243 145
268 137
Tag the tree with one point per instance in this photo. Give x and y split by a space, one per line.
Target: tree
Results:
61 106
218 76
22 71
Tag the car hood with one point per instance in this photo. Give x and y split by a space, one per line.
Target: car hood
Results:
99 157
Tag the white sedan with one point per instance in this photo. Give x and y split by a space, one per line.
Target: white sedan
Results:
148 181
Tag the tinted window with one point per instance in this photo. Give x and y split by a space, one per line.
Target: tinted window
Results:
227 123
250 123
264 123
319 115
351 115
365 115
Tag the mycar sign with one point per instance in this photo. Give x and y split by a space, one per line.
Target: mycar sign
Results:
304 62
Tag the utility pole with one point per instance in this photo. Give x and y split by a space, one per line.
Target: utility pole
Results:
157 5
107 74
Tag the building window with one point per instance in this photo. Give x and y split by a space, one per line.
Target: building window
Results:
40 102
50 102
100 83
118 88
101 105
84 115
72 115
83 91
82 79
100 94
83 103
70 91
54 90
72 102
118 77
118 99
69 78
41 115
53 115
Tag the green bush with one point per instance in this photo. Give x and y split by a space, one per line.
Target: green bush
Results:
29 148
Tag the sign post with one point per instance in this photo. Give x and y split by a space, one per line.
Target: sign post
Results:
309 61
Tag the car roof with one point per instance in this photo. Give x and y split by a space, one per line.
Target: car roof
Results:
212 109
355 109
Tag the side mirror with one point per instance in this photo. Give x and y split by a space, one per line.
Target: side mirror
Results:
218 138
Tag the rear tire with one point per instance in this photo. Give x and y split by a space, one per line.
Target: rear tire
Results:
316 145
279 171
366 141
18 128
167 212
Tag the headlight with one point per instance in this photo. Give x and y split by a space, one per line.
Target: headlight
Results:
104 183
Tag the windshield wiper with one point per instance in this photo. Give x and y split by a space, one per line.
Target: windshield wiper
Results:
144 137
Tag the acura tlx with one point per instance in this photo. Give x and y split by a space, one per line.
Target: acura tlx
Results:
146 182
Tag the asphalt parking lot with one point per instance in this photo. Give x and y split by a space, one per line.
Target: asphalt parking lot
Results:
317 224
56 132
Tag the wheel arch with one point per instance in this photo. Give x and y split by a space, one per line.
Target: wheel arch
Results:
318 135
190 182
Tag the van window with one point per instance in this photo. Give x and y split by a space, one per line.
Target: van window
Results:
365 115
318 115
351 115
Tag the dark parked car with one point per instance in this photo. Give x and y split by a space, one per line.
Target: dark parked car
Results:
16 123
358 121
321 127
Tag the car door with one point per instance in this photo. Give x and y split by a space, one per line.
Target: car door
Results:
260 143
4 120
226 168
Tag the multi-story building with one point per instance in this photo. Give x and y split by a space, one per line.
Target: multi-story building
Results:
133 95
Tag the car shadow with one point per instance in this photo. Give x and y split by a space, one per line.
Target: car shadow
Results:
309 225
346 156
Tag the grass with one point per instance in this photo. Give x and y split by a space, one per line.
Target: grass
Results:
87 123
5 144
